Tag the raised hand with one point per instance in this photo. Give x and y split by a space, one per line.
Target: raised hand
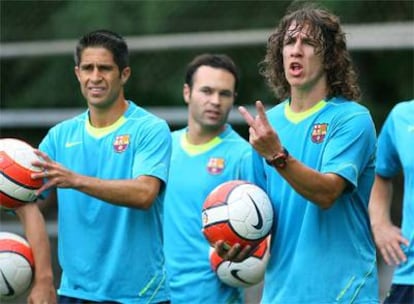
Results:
261 134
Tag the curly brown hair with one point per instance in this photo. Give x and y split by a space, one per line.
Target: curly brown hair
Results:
325 28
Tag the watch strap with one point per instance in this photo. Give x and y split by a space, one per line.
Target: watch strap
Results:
279 159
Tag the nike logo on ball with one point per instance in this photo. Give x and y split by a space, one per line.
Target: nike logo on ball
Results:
259 224
9 288
235 274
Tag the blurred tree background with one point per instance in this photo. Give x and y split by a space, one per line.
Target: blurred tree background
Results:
386 76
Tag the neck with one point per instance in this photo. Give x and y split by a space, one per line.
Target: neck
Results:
104 117
197 135
303 99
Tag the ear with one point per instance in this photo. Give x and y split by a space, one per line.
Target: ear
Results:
77 72
126 72
186 93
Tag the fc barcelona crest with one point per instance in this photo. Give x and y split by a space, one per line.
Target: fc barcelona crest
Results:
319 132
121 143
215 165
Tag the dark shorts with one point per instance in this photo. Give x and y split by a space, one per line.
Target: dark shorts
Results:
70 300
400 294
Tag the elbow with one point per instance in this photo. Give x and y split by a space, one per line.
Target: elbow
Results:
145 194
329 194
326 201
325 204
146 200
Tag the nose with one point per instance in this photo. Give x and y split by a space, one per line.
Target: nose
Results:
297 48
96 75
215 98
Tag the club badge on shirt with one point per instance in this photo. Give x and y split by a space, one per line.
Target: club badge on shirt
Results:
215 165
319 132
121 143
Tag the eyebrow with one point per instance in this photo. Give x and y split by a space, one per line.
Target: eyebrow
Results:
98 65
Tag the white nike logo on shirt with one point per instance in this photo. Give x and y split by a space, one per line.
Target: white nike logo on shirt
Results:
73 143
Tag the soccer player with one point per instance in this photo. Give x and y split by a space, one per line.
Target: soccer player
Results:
314 155
43 289
107 169
395 155
206 153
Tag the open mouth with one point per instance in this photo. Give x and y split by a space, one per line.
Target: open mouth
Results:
295 68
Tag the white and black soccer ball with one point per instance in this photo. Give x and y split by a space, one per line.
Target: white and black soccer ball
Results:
237 212
247 273
16 184
16 265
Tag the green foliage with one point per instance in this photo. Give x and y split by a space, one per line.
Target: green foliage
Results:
157 77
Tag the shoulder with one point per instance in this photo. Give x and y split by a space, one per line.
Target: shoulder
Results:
342 104
403 109
142 119
74 122
348 110
279 108
136 112
176 134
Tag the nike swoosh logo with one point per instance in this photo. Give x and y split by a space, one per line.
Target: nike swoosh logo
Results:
235 274
10 290
259 224
72 144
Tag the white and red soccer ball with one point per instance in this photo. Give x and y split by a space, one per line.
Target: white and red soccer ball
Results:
16 265
237 212
16 185
247 273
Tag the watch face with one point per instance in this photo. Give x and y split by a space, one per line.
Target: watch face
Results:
279 160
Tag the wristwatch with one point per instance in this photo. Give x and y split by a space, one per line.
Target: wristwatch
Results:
279 159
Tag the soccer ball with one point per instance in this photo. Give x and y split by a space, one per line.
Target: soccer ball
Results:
16 185
247 273
237 212
16 265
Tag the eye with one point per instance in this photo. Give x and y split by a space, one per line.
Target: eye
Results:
87 67
309 41
106 68
227 94
206 90
288 40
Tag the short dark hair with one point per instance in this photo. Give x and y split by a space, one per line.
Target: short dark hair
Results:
331 43
219 61
109 40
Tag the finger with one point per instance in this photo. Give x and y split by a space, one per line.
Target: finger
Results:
399 251
233 252
38 175
400 255
246 251
44 187
393 256
404 241
252 133
247 116
261 111
220 248
42 155
386 257
242 254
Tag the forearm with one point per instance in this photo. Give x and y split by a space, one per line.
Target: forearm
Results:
380 201
136 193
319 188
37 236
